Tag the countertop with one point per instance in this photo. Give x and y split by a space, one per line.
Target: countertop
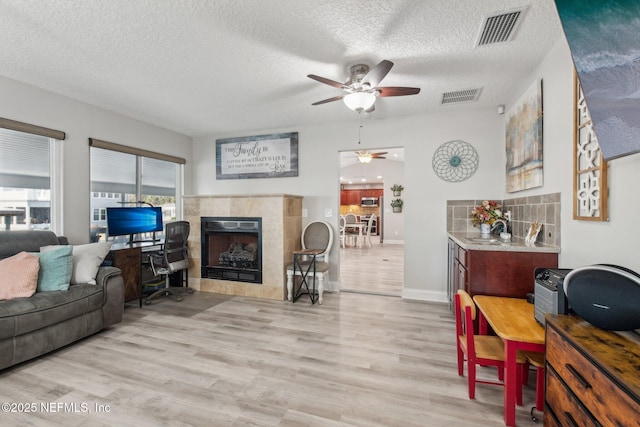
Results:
515 245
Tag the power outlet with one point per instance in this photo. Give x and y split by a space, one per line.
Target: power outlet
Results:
328 213
305 213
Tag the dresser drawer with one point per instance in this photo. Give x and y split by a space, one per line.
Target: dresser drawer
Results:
591 386
566 408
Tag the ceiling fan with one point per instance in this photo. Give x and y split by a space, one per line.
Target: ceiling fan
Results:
367 156
362 87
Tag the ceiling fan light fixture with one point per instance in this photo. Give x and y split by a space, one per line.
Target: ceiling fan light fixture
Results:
359 101
365 158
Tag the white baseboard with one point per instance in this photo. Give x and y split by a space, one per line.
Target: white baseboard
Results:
411 294
421 295
393 242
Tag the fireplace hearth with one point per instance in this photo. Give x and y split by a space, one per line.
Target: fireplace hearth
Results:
231 249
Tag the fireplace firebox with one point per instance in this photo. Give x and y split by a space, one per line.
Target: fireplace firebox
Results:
231 248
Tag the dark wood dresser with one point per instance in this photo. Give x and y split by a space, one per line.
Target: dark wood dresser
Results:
592 375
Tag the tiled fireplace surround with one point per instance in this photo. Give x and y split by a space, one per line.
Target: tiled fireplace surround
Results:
281 229
524 211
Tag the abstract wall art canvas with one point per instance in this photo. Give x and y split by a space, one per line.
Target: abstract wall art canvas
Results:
524 141
604 37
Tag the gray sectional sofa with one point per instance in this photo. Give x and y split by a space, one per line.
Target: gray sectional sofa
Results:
30 327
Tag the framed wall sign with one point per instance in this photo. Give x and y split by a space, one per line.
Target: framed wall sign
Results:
261 156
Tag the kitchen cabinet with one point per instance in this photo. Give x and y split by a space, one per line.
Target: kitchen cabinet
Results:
350 197
354 197
498 273
372 193
591 375
457 270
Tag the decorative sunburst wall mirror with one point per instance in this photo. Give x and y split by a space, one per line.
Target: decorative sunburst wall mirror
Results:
455 161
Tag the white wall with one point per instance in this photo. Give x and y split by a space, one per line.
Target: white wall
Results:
425 194
82 121
392 172
583 242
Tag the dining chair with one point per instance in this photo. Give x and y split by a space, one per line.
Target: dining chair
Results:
351 234
316 235
483 350
342 231
367 234
351 218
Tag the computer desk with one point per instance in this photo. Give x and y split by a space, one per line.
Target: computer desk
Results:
130 259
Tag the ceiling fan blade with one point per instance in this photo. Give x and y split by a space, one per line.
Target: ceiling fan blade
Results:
327 81
379 155
324 101
377 73
397 91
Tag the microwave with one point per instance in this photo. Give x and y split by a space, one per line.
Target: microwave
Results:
369 202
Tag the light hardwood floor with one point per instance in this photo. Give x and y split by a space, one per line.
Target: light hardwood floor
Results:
213 360
377 270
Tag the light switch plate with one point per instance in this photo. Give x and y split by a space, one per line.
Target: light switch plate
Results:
305 213
328 213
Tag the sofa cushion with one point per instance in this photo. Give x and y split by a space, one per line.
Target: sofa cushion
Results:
18 276
16 241
86 260
55 269
23 315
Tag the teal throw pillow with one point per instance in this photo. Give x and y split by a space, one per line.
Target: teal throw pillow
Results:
55 269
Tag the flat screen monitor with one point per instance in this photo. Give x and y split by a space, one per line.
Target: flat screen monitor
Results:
133 220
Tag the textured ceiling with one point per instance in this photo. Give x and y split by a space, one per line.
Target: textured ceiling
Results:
211 67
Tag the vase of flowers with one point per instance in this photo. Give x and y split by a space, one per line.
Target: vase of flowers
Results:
486 214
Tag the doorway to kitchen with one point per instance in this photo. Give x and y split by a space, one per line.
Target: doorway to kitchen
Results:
371 260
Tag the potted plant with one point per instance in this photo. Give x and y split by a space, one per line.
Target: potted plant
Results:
397 189
396 204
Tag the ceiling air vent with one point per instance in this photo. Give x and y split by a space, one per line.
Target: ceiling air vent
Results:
500 28
458 96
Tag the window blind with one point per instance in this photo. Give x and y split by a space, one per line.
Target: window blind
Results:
24 160
33 129
135 151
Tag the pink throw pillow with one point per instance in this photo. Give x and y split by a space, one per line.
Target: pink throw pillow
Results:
19 276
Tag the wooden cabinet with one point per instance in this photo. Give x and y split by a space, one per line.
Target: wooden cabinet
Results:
497 273
460 269
129 261
376 192
354 197
591 375
350 197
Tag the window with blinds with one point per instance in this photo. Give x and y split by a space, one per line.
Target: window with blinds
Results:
25 180
122 179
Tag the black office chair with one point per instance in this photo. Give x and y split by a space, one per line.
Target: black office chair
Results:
174 257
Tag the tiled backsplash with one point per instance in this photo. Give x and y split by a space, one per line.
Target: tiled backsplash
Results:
524 211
